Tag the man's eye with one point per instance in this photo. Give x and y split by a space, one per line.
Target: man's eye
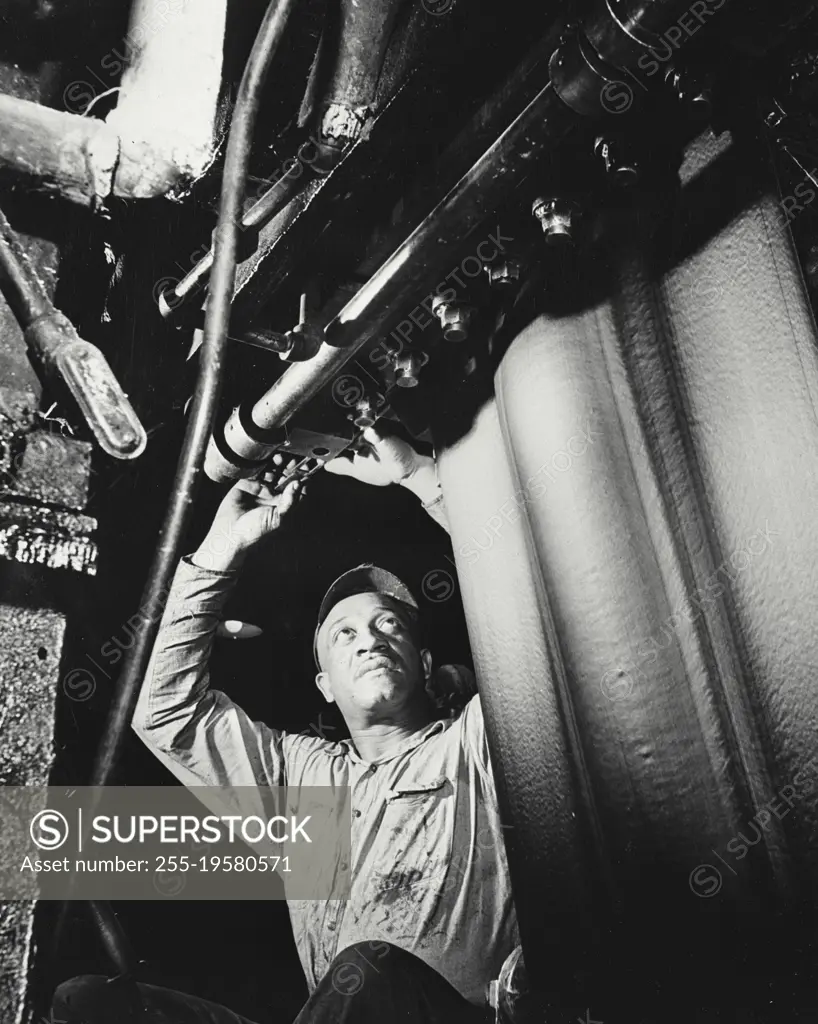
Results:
344 633
391 620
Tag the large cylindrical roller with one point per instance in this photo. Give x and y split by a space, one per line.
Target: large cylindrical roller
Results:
633 517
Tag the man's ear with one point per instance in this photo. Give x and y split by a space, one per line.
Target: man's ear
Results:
322 682
426 659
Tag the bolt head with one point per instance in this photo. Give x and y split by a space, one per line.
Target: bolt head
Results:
454 319
503 274
456 332
407 368
556 215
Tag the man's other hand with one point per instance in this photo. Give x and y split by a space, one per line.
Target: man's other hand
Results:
388 460
248 512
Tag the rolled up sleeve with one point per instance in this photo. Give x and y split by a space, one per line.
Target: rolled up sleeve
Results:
437 510
474 734
199 734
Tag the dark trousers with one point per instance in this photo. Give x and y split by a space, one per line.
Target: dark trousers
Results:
367 983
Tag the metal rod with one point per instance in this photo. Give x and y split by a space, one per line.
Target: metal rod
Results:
263 210
22 288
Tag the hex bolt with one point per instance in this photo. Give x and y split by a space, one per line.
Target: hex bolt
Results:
505 274
454 318
407 368
364 415
557 217
624 172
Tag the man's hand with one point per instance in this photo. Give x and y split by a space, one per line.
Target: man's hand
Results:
389 460
248 512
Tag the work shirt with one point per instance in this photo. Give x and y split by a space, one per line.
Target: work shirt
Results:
428 872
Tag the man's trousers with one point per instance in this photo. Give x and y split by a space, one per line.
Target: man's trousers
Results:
367 983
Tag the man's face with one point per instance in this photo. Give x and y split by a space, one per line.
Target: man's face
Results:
370 661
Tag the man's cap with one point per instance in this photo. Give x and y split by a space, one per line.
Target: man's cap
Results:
363 579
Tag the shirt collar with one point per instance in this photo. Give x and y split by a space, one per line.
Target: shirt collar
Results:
413 741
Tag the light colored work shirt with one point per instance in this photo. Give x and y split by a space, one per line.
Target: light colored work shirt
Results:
429 870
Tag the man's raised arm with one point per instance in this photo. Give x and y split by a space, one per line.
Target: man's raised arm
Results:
198 733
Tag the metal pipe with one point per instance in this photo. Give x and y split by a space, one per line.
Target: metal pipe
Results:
263 210
349 64
579 76
114 939
416 265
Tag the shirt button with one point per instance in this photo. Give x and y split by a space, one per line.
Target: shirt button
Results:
344 865
357 813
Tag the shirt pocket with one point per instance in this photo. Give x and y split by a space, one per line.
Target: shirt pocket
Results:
416 832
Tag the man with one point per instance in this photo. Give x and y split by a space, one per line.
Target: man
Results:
430 918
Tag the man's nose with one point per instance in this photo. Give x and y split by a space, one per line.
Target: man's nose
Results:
369 640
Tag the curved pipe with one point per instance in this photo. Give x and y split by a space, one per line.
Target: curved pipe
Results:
202 412
207 388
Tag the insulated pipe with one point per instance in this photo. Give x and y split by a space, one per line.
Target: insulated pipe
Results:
170 91
349 59
346 72
159 137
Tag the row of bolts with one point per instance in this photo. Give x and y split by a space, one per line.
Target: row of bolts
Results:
555 217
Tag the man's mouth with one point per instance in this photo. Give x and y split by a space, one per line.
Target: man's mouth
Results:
372 664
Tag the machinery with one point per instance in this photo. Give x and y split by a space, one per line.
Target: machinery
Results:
574 248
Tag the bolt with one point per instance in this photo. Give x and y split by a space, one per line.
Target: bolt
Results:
557 217
503 275
364 415
624 172
454 318
407 368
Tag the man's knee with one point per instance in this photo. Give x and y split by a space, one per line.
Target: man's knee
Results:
76 992
376 948
367 962
89 998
